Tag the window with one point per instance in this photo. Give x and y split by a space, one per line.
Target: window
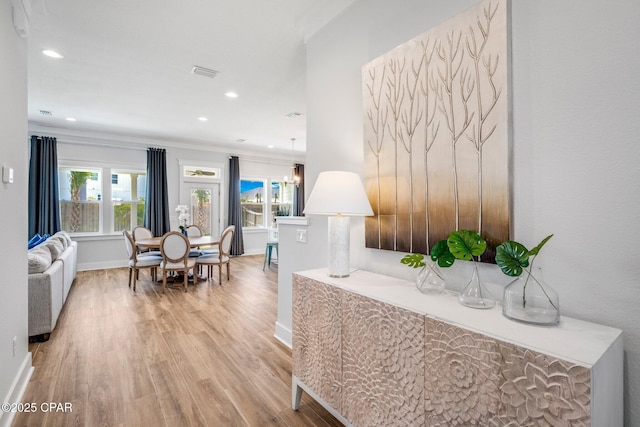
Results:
83 190
80 193
260 207
252 201
127 199
281 199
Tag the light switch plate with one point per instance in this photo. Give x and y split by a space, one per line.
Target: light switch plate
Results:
7 175
301 236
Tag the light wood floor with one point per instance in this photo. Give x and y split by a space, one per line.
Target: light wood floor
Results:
202 358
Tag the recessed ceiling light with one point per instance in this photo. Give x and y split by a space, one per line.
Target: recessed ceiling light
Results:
240 140
269 146
231 95
202 119
293 115
71 119
52 54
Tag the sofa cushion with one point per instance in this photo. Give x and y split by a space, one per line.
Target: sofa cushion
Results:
54 246
65 235
39 259
61 239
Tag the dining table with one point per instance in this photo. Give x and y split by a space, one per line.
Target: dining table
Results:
194 242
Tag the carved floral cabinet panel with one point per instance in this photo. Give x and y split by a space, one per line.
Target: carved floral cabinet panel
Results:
382 363
364 349
317 340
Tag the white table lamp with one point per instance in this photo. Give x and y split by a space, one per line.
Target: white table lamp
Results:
340 195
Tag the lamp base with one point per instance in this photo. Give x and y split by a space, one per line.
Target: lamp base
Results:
339 277
339 235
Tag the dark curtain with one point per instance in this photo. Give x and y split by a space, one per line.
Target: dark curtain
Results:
44 203
298 205
156 204
235 209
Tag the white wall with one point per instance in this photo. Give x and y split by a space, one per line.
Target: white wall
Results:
14 369
576 145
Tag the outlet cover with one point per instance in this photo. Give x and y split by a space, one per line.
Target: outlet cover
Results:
301 236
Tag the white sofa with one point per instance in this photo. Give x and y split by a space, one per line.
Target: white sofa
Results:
52 268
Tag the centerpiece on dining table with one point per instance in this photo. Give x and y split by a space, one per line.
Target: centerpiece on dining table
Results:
183 218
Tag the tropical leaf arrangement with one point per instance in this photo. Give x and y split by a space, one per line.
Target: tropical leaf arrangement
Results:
461 244
513 258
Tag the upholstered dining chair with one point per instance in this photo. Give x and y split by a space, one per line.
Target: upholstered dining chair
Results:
174 247
194 231
138 261
221 257
139 233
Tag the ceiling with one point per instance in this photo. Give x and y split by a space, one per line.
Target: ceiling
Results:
127 68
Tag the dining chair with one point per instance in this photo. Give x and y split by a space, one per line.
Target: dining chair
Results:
138 261
174 248
194 231
220 258
139 233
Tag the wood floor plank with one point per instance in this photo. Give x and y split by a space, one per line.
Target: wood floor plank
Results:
206 357
252 405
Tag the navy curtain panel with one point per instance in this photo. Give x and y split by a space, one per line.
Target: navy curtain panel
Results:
44 203
235 208
156 204
298 204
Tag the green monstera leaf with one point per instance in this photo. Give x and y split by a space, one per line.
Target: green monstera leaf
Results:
441 254
413 260
465 244
512 257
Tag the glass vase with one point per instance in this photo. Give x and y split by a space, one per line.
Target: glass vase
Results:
475 294
430 280
530 299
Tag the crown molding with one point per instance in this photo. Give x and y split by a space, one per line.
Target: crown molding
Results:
130 142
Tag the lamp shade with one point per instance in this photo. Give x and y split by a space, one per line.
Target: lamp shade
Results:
338 193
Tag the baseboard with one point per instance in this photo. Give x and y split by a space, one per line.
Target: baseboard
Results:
283 335
102 265
17 390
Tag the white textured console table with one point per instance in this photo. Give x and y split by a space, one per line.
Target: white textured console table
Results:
373 350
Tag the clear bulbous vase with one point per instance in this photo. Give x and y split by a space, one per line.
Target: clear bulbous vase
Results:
430 279
529 299
475 294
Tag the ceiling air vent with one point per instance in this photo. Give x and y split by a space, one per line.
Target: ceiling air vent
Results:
293 115
204 71
46 113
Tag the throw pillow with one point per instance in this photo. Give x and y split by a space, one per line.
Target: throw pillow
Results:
39 259
34 240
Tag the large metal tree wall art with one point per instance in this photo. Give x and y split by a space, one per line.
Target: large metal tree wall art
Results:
436 134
